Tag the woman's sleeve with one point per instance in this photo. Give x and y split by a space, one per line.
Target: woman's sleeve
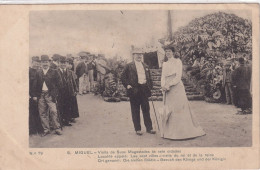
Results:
163 76
178 76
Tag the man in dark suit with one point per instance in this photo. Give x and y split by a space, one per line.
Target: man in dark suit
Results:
66 91
34 119
241 79
45 90
136 79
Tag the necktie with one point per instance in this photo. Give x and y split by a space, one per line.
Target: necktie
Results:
64 74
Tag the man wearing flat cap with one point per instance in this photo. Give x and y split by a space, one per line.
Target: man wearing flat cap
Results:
34 119
45 91
136 79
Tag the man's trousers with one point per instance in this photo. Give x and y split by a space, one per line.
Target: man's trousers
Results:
140 99
229 93
46 116
83 84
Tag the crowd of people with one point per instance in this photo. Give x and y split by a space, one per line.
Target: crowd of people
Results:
218 78
53 87
211 46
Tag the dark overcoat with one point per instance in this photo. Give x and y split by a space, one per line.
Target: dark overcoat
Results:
67 100
34 119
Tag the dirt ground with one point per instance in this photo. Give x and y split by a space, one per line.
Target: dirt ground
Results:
103 124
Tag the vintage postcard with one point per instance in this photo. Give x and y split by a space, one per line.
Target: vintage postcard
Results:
129 86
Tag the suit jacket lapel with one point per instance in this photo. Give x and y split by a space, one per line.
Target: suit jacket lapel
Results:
47 77
61 76
134 68
145 70
41 76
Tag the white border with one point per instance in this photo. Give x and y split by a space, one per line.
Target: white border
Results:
121 1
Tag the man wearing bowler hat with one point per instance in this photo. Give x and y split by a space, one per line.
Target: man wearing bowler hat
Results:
55 61
45 90
66 91
136 79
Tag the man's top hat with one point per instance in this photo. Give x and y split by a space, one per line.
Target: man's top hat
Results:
45 58
62 59
56 57
35 58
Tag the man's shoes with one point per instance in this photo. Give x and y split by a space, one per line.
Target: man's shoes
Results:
240 113
58 132
151 131
73 120
248 111
67 123
139 133
45 133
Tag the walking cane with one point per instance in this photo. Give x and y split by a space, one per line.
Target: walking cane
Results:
155 114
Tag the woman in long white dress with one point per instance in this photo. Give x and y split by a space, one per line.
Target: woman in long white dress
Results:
180 123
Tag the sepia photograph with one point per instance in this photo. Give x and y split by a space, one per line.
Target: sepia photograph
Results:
140 78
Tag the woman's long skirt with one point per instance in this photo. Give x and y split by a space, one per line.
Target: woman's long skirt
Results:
181 123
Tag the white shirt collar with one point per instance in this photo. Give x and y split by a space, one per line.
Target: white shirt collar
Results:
62 69
137 62
45 70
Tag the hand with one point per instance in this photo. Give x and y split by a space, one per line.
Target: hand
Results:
35 98
129 87
165 88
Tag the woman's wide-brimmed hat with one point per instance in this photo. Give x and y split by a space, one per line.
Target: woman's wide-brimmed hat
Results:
168 45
